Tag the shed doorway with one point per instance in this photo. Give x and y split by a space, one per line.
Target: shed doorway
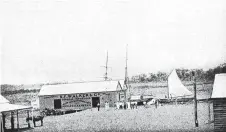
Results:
95 101
57 103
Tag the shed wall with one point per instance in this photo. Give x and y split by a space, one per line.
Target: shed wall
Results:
219 108
78 101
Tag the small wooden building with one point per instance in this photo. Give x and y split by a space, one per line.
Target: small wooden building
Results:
6 108
219 102
80 96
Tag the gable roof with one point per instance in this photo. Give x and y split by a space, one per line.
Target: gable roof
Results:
219 86
83 87
175 86
124 86
3 100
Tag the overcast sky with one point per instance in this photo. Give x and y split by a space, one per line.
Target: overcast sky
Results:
47 41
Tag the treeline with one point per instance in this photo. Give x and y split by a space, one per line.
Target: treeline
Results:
184 75
20 91
14 89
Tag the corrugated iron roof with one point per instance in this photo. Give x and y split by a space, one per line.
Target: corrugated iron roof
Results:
6 106
11 107
84 87
219 86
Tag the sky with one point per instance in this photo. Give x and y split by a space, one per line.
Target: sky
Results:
67 40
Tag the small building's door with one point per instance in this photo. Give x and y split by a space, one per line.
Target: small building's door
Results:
95 101
57 103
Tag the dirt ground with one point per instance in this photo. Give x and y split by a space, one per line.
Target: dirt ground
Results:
170 118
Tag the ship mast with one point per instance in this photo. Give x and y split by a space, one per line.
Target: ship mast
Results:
126 76
126 72
106 69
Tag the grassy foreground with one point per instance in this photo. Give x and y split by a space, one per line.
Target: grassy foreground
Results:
168 118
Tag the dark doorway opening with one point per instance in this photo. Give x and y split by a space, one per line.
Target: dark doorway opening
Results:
57 103
95 101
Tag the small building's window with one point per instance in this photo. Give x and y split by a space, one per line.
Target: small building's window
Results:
57 103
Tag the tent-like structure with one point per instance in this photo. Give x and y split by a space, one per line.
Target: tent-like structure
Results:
175 87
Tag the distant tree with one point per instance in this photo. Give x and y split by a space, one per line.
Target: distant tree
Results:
152 77
223 68
142 77
209 74
161 76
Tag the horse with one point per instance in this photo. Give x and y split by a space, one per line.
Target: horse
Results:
49 112
36 118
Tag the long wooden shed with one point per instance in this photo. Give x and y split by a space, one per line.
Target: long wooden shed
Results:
219 102
80 96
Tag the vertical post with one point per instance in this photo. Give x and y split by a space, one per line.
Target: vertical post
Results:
28 119
32 112
12 120
3 120
17 120
209 111
195 100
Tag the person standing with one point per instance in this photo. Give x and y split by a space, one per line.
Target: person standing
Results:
156 103
124 105
98 106
136 104
144 103
118 105
107 105
128 105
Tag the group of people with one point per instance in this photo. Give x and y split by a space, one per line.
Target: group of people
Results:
133 105
126 105
120 105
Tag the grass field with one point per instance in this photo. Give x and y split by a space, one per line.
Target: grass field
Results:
170 118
